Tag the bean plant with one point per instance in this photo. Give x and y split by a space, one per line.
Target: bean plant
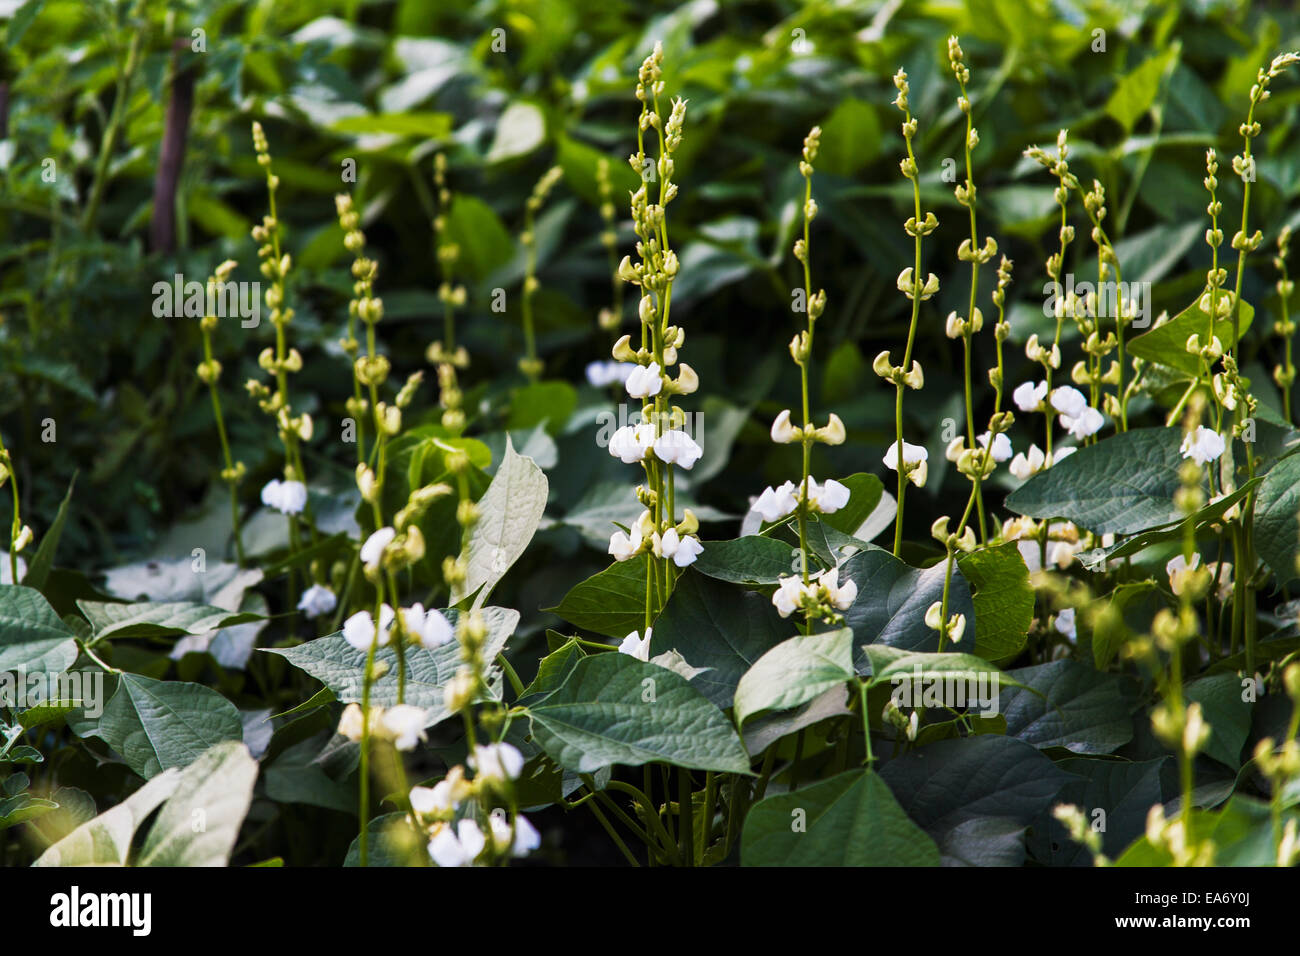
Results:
546 517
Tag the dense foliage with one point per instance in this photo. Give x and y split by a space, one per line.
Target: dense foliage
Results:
673 434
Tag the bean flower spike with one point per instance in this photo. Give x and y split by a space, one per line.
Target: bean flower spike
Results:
659 442
818 595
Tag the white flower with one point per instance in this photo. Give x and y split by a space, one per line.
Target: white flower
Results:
782 431
912 455
632 443
424 800
1065 623
788 594
6 572
1060 455
359 629
1203 445
913 723
604 374
430 627
1068 400
644 381
1177 568
915 455
1001 446
1087 422
497 763
1028 463
682 550
457 847
624 546
1029 396
317 600
828 498
287 497
775 503
1062 545
841 596
637 646
404 725
350 723
678 448
373 549
443 800
525 839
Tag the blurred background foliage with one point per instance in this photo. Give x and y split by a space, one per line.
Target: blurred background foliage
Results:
505 89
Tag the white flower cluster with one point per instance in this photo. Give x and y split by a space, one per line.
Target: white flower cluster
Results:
463 842
428 628
678 544
1076 416
776 503
401 724
634 443
823 590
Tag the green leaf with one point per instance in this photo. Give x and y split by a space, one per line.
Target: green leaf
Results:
615 709
21 808
1242 833
1136 91
391 842
1220 697
22 19
420 125
148 619
1167 344
554 669
580 163
1123 484
896 664
520 130
754 560
794 672
852 819
32 637
610 602
893 598
1004 599
1277 532
509 513
341 667
106 840
47 712
975 796
157 724
39 570
485 244
1096 559
850 138
550 403
1110 629
219 786
1080 709
1124 791
717 626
